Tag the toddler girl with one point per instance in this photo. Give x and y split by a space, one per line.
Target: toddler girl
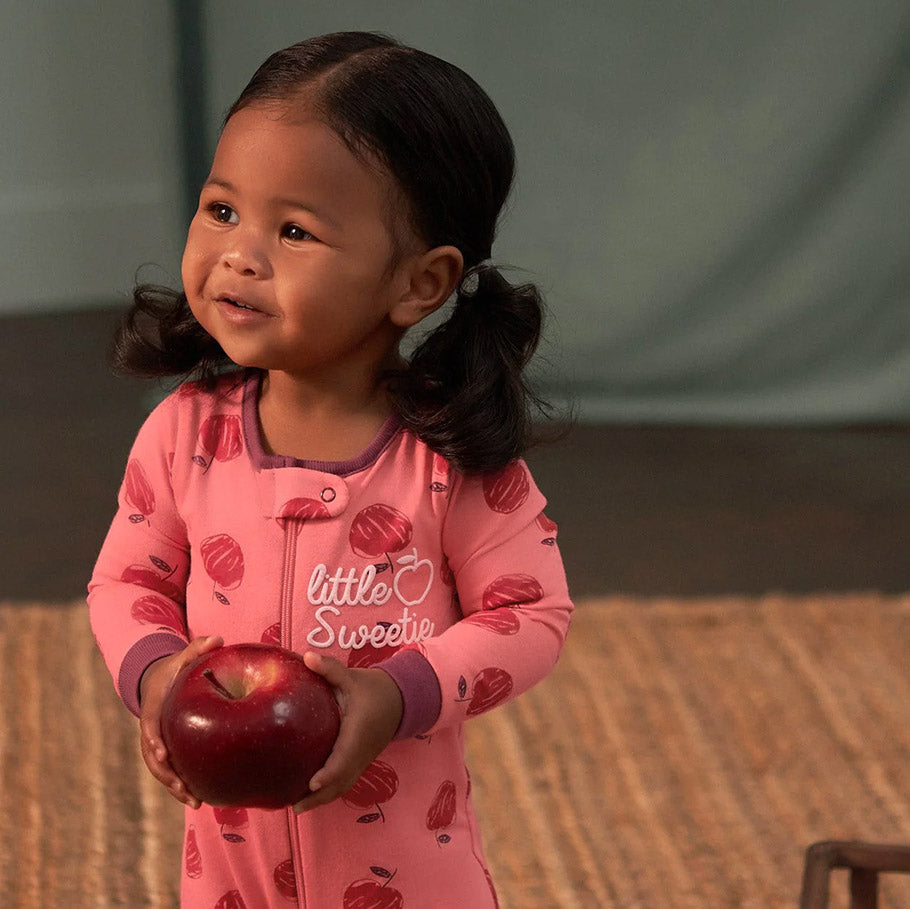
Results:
314 489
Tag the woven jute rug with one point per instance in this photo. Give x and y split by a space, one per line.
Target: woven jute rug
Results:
682 754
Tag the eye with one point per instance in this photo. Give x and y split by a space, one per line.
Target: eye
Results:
223 213
296 233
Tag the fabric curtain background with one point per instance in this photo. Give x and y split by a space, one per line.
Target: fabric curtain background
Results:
714 196
745 255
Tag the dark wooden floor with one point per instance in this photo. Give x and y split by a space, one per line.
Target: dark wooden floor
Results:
649 510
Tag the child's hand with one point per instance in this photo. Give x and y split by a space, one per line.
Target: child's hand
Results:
155 684
371 710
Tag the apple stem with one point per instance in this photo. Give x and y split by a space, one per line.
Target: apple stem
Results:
221 689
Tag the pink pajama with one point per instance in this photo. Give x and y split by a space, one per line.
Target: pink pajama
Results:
453 585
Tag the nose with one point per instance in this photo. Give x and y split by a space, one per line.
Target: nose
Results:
245 255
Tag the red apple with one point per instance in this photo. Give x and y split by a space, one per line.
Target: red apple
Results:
248 725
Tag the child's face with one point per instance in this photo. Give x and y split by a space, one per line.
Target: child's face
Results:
293 228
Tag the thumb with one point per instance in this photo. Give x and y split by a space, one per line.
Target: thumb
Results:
198 646
332 670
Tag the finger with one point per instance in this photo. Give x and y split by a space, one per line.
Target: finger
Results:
336 768
326 793
155 745
164 773
344 761
332 670
313 801
175 787
179 791
150 733
316 799
154 698
198 646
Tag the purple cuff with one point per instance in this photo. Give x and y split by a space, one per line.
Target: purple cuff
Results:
420 694
138 658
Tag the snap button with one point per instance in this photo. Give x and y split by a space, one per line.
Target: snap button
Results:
328 494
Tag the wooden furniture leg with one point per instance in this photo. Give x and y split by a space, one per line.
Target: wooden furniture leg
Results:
865 862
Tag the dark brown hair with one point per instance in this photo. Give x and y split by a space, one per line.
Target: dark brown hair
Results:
440 136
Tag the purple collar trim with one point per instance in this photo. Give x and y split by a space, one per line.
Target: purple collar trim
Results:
264 461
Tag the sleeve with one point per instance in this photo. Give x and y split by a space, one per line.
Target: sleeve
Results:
137 593
511 586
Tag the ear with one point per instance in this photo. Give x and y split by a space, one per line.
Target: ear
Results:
431 279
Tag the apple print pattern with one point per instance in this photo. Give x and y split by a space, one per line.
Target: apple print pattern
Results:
380 530
442 812
223 561
369 656
220 438
156 610
230 820
285 880
549 528
272 635
491 687
189 389
377 785
503 621
440 474
160 564
509 590
146 577
138 492
370 894
231 900
512 590
300 510
192 857
507 490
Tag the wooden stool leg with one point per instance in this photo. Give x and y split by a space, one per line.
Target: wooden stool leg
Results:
863 889
817 867
865 861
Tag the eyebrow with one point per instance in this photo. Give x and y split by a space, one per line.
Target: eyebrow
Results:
283 200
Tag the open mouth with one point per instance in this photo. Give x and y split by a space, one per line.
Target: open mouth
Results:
237 304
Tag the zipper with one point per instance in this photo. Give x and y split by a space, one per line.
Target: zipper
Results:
288 571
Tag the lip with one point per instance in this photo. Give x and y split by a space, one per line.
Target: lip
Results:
240 314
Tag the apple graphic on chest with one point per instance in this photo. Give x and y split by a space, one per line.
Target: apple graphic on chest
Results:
413 579
248 725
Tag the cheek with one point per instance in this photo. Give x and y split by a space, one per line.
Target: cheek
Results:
193 266
186 272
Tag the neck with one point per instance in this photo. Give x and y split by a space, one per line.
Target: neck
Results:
340 396
321 420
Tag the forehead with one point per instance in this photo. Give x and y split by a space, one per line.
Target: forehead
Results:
277 152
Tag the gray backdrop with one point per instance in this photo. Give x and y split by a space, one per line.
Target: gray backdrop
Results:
713 195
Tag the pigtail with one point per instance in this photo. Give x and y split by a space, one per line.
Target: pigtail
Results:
465 393
159 336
